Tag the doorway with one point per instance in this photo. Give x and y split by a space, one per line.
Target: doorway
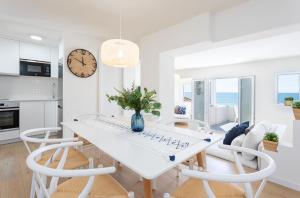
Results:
224 102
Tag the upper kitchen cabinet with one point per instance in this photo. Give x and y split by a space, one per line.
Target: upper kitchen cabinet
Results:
9 56
35 52
54 62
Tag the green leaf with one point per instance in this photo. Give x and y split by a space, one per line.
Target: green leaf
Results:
136 99
156 113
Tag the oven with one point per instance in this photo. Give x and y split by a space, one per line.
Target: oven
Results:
9 116
35 68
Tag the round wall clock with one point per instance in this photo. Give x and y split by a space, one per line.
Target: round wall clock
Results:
82 63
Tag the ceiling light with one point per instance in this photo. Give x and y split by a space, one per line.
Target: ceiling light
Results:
120 52
37 38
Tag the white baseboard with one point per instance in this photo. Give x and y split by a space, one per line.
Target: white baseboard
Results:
286 183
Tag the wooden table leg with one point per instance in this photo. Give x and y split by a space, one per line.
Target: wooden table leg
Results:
147 188
201 158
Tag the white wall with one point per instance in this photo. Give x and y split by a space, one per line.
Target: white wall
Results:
27 87
157 66
88 95
110 78
191 31
254 16
80 95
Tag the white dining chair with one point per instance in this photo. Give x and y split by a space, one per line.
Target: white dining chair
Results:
86 144
83 183
211 184
42 137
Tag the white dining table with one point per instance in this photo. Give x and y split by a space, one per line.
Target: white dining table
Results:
148 153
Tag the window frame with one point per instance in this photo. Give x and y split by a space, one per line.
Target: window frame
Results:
277 84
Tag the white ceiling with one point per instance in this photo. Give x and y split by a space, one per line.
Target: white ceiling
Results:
100 17
286 45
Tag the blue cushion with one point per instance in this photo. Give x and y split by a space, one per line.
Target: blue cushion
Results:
234 132
182 110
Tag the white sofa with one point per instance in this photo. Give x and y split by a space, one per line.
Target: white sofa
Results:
253 140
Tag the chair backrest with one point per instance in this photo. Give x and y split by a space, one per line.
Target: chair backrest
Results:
43 170
30 136
242 177
89 116
192 124
151 118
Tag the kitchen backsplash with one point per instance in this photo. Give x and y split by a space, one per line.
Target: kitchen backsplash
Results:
27 87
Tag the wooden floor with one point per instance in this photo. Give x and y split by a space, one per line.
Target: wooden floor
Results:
15 177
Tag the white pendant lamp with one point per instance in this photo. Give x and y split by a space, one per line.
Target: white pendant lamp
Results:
120 52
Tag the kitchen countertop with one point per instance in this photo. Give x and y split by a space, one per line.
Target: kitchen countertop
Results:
33 99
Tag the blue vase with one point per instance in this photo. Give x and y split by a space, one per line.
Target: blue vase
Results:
137 122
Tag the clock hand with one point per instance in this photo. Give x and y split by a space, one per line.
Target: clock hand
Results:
78 60
83 64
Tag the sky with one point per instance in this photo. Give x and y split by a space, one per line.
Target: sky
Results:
288 83
227 85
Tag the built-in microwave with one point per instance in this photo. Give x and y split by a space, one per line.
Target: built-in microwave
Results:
35 68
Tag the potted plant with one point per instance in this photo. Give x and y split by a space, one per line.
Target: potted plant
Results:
296 109
137 100
271 141
288 101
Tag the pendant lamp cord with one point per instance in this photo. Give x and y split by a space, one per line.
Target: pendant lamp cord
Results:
120 21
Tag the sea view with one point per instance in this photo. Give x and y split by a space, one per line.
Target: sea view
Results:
227 98
282 96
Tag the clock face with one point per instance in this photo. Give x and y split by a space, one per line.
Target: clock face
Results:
82 63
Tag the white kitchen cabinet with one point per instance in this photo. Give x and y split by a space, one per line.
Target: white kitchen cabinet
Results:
38 114
34 52
9 56
51 113
54 62
32 115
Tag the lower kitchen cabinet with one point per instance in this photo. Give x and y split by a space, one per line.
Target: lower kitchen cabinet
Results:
51 113
38 114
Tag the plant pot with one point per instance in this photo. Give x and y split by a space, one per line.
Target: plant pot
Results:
270 146
288 103
296 113
137 122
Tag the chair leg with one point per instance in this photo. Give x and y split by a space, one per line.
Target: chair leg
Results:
166 195
44 181
32 190
140 178
177 171
154 184
91 163
191 164
131 195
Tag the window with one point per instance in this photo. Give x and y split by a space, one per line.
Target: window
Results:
288 85
187 92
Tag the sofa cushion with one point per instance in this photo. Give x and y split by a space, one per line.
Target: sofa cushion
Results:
235 132
253 138
180 110
238 141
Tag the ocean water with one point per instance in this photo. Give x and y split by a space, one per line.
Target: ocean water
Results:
227 98
281 96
